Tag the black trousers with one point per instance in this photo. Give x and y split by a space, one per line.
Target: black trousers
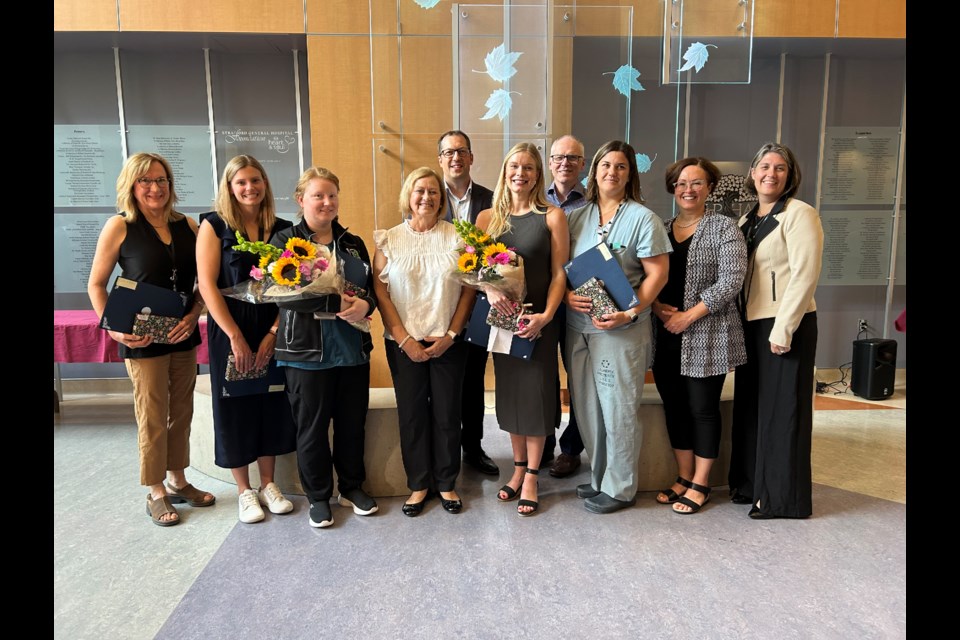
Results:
428 408
773 420
570 441
472 403
691 405
340 394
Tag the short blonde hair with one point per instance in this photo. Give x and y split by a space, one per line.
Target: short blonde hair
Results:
133 169
502 198
407 189
313 173
227 206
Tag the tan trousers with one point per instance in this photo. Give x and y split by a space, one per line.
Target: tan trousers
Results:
163 400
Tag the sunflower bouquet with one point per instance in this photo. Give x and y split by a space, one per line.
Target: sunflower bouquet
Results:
486 264
301 270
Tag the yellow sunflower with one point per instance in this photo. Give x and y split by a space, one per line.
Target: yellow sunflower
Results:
485 238
264 261
301 248
286 264
467 262
492 250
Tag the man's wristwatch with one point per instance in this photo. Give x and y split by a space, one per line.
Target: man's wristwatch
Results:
632 315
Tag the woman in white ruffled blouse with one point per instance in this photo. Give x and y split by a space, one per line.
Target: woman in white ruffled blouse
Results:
424 308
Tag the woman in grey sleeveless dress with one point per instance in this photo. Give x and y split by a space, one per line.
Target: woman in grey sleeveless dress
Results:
522 219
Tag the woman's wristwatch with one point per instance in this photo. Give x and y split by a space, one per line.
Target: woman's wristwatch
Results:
273 331
452 334
632 315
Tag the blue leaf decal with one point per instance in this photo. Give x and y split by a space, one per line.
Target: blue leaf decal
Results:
584 181
696 56
427 4
644 162
625 79
498 104
499 63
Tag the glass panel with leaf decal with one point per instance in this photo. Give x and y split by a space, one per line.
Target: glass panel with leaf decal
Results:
708 41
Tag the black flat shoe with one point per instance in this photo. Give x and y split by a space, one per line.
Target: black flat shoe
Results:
738 498
452 506
413 509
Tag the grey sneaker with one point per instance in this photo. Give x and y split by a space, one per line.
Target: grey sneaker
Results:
272 498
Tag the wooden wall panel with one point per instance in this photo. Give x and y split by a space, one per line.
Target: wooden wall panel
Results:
339 17
427 67
791 19
872 19
213 16
340 116
590 21
86 15
561 106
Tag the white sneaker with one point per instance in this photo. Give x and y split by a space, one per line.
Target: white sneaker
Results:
250 510
273 499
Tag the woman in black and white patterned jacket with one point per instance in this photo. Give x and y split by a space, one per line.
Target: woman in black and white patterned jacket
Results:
698 328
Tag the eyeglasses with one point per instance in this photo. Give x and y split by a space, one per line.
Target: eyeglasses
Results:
696 185
449 153
146 182
559 158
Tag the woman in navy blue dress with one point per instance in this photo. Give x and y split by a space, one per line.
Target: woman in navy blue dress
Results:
252 427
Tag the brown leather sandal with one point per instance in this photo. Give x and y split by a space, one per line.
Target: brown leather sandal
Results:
156 509
189 494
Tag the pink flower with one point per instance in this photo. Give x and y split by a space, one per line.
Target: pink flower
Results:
287 254
315 273
305 269
321 263
501 258
469 249
256 273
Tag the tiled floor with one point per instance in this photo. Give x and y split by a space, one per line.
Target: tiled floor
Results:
643 572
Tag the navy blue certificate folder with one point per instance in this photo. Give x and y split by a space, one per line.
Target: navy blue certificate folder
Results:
129 297
275 380
478 331
600 263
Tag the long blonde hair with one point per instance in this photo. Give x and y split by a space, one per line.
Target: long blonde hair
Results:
502 196
227 206
133 169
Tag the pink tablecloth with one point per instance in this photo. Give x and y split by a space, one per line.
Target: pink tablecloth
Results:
77 338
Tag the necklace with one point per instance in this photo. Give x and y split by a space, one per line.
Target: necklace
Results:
171 251
676 223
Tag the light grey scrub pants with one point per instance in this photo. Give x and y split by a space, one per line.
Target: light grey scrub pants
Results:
606 374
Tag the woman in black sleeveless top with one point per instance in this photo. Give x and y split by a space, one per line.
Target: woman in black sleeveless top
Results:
247 428
152 243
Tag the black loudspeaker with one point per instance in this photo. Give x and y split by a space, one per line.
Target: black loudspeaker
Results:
874 368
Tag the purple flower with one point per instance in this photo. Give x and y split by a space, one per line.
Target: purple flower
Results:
305 269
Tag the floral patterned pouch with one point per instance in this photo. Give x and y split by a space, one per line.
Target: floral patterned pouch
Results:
602 302
148 324
509 322
232 375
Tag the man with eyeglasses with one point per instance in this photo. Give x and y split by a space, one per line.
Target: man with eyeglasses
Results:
566 191
466 199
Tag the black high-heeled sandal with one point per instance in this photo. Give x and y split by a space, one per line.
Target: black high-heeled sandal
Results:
673 496
512 494
529 503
